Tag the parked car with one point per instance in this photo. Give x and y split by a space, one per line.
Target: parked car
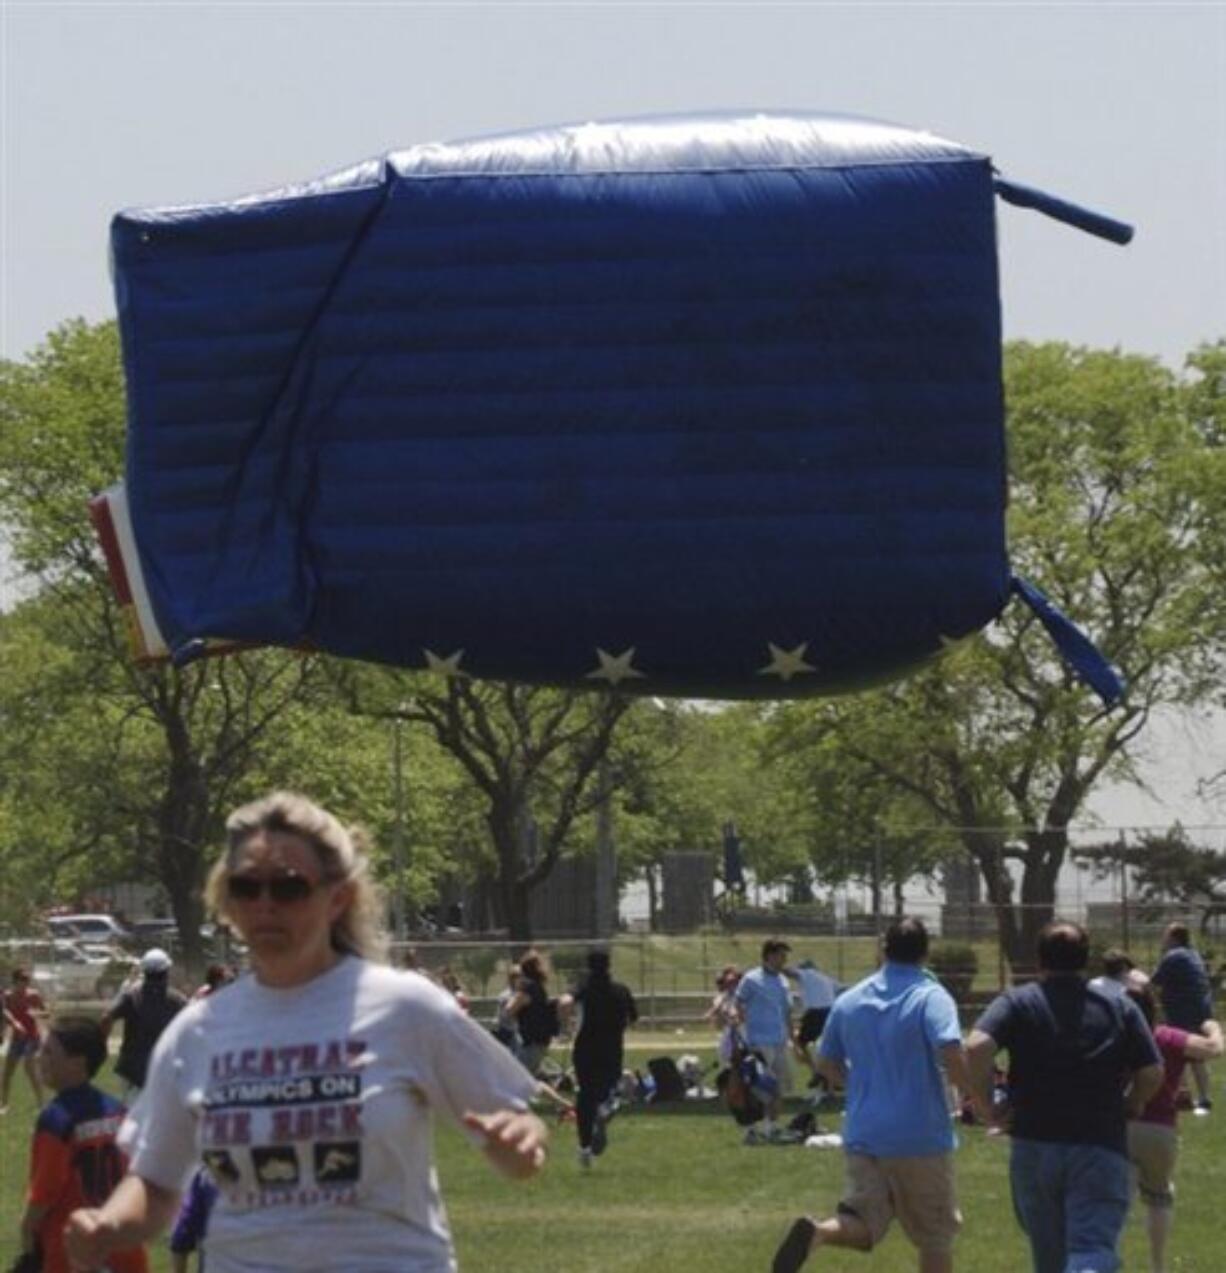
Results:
61 969
146 930
88 927
115 965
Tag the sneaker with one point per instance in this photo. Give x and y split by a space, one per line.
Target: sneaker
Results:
794 1249
753 1137
600 1135
1202 1109
585 1159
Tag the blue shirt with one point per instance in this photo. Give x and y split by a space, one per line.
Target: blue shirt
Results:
887 1030
766 1001
1187 998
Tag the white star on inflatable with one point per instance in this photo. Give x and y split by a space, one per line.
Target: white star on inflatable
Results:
450 666
614 668
786 664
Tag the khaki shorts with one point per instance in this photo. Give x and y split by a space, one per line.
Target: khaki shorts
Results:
1153 1149
778 1060
918 1191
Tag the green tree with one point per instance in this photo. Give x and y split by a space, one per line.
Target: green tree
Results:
998 741
531 753
857 826
1165 867
685 770
110 765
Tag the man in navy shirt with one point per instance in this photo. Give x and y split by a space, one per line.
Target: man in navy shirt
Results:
1079 1062
1187 997
888 1039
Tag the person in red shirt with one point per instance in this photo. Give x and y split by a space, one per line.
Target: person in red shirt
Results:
1152 1143
21 1004
74 1161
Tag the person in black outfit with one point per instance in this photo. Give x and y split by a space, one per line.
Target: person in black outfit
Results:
1080 1060
145 1010
607 1007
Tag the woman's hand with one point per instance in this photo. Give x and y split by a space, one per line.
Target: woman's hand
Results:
137 1211
514 1141
88 1239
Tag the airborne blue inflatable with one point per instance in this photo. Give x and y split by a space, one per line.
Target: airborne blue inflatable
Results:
705 406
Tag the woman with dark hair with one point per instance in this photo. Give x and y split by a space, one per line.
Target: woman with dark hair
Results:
1152 1143
22 1006
534 1013
606 1009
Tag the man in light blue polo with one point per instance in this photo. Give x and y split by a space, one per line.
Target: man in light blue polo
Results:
765 1004
887 1039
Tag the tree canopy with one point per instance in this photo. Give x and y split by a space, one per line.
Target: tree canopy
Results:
997 741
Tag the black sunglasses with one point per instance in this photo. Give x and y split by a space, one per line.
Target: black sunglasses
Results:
281 888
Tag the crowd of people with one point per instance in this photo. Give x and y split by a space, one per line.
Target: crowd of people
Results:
284 1115
1089 1101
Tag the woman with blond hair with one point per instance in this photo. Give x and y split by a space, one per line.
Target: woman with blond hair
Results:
307 1088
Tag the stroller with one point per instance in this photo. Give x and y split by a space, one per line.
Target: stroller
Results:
746 1085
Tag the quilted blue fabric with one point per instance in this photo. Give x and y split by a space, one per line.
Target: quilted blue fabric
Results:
707 406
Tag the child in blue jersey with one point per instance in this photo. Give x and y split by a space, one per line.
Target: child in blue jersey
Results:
74 1161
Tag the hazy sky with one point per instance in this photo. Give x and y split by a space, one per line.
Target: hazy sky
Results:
1121 107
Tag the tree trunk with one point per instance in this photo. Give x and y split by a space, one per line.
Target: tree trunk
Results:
508 828
653 898
187 907
899 904
519 915
987 850
1018 926
183 833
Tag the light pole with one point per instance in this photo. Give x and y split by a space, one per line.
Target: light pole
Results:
398 848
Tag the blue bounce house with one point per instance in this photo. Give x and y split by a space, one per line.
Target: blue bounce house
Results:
704 406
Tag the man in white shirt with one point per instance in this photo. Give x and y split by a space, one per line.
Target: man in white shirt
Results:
818 992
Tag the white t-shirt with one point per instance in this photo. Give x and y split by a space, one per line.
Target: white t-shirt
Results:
816 989
311 1108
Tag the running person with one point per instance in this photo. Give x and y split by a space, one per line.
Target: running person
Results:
1153 1145
1187 997
22 1007
534 1013
818 992
607 1008
307 1087
74 1161
145 1009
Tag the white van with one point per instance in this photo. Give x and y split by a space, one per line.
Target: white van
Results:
62 970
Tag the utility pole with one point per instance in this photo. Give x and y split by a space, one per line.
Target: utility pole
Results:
1124 888
606 857
398 845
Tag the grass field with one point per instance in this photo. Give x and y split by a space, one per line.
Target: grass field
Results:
678 1191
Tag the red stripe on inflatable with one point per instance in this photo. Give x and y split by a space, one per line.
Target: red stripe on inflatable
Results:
104 528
